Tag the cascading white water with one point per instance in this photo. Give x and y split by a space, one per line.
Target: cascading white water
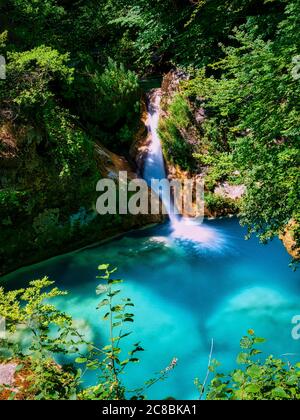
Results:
154 165
184 230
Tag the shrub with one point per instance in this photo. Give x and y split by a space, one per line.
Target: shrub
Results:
50 332
31 76
12 204
175 145
110 99
221 205
269 379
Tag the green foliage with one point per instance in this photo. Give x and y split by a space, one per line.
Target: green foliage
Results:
47 330
179 32
29 75
33 20
252 104
110 99
12 204
255 379
66 88
219 205
71 147
38 332
175 147
45 224
219 167
108 360
57 156
3 39
118 90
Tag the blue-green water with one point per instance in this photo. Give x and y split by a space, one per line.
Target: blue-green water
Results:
188 287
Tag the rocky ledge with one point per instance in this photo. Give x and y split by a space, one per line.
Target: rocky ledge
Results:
288 239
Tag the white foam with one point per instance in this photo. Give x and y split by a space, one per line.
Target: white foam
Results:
189 232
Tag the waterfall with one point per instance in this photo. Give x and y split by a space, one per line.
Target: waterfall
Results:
184 230
154 165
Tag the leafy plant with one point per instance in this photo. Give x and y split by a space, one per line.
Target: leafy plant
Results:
29 77
251 101
221 205
256 379
176 148
38 332
108 359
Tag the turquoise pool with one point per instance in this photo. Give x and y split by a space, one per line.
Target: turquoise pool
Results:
188 287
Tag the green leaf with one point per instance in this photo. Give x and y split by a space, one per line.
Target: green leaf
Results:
255 352
81 360
114 293
117 308
128 320
103 267
19 367
242 358
104 302
101 289
238 376
254 371
259 340
115 281
292 380
93 365
106 348
252 389
279 393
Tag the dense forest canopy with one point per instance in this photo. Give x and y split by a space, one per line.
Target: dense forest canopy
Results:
73 72
183 32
